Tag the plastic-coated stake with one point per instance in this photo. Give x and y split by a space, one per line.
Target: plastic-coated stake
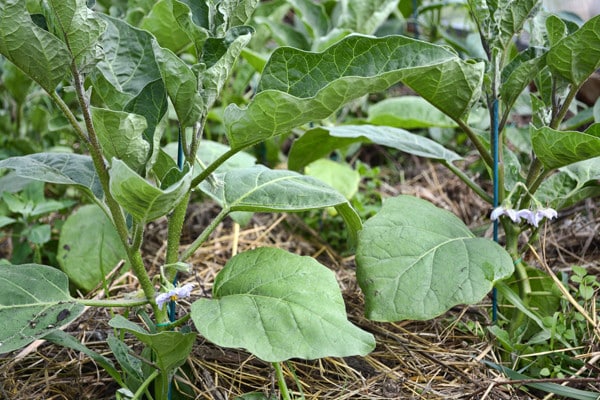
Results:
495 156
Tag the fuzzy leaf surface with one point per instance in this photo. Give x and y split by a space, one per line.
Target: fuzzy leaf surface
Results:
319 142
59 168
41 55
556 149
298 87
144 201
287 306
34 301
416 261
577 56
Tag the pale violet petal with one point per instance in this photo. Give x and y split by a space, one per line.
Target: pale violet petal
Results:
497 212
162 298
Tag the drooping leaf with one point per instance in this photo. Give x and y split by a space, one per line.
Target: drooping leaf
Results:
362 16
576 56
170 348
510 17
79 27
408 112
313 16
556 149
34 301
219 55
571 184
41 55
163 23
319 142
128 77
87 259
121 136
182 86
416 261
59 168
287 306
229 14
260 189
144 201
519 73
298 87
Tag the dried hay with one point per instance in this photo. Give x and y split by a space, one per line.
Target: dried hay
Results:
437 359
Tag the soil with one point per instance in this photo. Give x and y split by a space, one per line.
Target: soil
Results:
441 358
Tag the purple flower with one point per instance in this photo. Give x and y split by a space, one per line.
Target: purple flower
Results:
175 294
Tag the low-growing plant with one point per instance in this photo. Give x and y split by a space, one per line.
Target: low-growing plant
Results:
133 70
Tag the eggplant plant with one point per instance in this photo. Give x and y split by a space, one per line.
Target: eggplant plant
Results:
133 72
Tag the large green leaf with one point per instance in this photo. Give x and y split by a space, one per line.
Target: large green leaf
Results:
128 77
264 190
319 142
144 201
571 184
87 259
577 56
556 149
59 168
519 73
79 27
278 306
34 301
416 261
121 136
298 87
37 52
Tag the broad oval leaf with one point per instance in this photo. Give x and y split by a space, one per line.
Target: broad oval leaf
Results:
556 149
261 189
59 168
577 56
41 55
34 300
416 261
319 142
298 87
278 306
144 201
87 259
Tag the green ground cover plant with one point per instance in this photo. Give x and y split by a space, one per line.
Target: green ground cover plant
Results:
126 77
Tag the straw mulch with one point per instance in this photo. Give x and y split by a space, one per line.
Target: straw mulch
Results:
436 359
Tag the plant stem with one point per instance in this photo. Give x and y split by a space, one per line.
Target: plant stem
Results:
214 165
285 394
483 152
175 227
470 183
112 303
204 235
145 385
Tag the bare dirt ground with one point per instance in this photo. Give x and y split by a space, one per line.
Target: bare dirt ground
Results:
436 359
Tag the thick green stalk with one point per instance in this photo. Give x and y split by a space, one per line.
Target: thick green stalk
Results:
175 227
112 303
